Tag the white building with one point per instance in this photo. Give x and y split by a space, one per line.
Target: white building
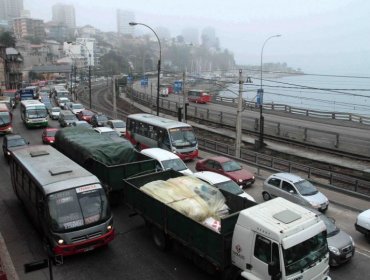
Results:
123 20
83 49
64 14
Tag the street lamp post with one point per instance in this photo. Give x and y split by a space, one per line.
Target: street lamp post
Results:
89 80
159 59
262 119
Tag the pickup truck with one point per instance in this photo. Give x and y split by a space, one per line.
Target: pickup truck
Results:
276 239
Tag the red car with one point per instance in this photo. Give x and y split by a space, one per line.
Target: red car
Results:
85 115
227 167
48 135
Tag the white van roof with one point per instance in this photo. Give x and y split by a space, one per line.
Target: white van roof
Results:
159 154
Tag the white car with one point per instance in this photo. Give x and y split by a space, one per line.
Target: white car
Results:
54 113
76 108
223 183
363 223
167 160
118 125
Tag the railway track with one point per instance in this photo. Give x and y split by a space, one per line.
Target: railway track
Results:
102 102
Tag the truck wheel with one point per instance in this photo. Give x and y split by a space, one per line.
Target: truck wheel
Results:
159 238
266 196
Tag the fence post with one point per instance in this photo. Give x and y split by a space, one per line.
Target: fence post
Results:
256 124
290 167
278 129
356 185
221 116
305 134
309 172
331 178
336 144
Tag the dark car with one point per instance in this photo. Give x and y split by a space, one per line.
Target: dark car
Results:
12 142
85 115
227 167
99 120
66 118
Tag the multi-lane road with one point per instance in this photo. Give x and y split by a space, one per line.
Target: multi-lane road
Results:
132 255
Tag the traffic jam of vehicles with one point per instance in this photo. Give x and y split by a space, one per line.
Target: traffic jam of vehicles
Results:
141 163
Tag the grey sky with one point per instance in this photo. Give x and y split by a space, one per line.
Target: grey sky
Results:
319 36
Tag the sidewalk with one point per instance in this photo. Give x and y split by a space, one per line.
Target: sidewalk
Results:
352 203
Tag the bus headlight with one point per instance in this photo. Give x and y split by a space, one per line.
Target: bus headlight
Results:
60 241
109 228
8 153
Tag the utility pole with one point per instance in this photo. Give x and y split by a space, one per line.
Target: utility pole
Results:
184 94
239 117
114 96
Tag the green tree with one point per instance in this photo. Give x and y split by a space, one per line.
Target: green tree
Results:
7 39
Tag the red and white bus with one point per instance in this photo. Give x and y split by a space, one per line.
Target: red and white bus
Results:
199 96
150 131
5 119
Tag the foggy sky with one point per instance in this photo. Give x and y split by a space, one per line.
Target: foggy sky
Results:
318 36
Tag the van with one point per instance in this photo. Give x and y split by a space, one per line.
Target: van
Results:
167 160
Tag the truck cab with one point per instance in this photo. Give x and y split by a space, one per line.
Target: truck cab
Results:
280 240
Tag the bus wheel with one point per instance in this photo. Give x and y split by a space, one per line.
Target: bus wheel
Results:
159 238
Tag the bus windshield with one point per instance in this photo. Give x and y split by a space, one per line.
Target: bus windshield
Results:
34 113
78 208
304 255
182 137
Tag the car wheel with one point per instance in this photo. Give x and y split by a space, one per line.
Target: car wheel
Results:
266 196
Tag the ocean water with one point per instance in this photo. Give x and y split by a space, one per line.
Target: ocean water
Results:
346 94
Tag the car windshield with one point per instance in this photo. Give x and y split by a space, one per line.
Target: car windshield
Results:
70 117
119 125
304 255
77 106
230 166
229 186
331 228
183 137
102 118
81 124
16 142
77 208
87 113
51 133
305 187
55 110
4 118
175 164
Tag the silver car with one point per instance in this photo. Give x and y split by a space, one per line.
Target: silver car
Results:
295 189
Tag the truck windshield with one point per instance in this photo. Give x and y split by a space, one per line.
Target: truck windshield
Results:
183 137
304 255
78 208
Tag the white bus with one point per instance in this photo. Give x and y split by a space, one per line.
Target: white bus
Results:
149 131
34 113
66 203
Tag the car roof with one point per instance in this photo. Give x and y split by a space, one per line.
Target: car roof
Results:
288 176
13 136
115 121
220 159
211 177
66 112
51 129
159 154
104 129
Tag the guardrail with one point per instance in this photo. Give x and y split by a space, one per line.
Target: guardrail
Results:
331 180
295 110
293 132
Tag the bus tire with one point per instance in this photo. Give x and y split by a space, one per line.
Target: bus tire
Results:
159 238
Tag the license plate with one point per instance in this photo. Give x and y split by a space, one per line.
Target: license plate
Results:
348 255
89 248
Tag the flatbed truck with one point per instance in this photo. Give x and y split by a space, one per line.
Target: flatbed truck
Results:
274 240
